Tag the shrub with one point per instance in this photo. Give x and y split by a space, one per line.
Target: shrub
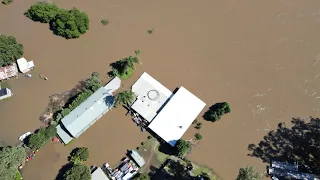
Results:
181 148
78 171
248 173
105 22
93 83
194 122
198 136
150 31
10 50
198 126
70 24
142 143
6 2
149 137
42 12
79 155
216 111
138 148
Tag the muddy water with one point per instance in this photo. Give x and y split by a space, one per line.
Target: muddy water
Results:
260 56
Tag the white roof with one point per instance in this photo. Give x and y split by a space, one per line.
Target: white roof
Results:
23 65
113 85
98 174
30 64
176 116
151 96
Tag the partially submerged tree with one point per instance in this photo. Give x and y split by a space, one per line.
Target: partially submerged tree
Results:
70 23
10 50
93 83
10 159
216 111
299 143
125 98
181 148
42 12
248 173
78 172
41 137
79 155
124 68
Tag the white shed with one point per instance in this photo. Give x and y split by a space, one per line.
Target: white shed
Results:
24 65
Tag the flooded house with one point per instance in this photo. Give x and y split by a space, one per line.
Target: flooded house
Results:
8 72
5 93
88 112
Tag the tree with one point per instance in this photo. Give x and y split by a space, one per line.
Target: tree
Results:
124 68
248 173
298 143
198 136
142 176
93 83
42 12
125 98
10 50
10 159
51 131
216 111
79 155
78 172
70 24
37 140
181 148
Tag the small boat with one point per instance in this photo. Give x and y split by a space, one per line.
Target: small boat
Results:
23 136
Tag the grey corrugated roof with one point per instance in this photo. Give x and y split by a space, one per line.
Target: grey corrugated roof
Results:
64 136
137 158
82 117
98 174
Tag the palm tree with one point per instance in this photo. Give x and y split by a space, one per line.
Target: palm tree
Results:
125 98
131 61
248 173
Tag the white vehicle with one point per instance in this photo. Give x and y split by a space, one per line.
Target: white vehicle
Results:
23 136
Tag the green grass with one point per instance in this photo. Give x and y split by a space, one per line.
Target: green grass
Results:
18 175
197 170
149 144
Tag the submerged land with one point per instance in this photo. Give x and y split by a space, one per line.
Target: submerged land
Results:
260 57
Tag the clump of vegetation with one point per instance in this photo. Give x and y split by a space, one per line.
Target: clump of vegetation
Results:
77 171
138 148
40 138
66 23
248 173
10 159
150 31
195 121
198 136
42 12
124 98
149 137
105 22
141 176
124 68
70 23
198 126
91 85
79 155
142 143
6 2
216 111
182 147
10 50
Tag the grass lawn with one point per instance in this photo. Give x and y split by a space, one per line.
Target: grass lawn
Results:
18 175
197 170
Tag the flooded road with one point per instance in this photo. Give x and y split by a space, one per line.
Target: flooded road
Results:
262 57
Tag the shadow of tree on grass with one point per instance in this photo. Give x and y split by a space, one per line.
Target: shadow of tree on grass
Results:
299 143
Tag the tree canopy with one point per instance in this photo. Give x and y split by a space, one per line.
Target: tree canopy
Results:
299 143
79 155
248 173
40 138
42 12
181 148
142 176
93 83
216 111
124 68
70 23
124 98
78 172
10 159
10 50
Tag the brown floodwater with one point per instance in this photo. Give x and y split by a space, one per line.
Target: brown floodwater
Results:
260 56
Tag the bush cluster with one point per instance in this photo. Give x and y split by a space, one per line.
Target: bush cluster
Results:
91 85
198 136
124 68
10 50
40 138
66 23
216 111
